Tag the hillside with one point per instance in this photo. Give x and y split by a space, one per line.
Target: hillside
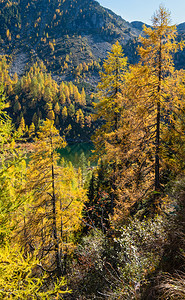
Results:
69 36
57 49
112 226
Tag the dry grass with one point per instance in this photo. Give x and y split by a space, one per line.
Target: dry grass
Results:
173 288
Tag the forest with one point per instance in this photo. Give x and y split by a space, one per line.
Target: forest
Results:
114 230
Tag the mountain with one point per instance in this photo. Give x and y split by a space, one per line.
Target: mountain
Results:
139 25
181 28
59 45
69 36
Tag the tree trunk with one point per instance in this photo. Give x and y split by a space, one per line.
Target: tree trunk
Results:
157 164
54 225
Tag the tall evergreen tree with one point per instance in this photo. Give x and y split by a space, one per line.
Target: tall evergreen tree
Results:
109 108
152 95
109 91
55 210
156 53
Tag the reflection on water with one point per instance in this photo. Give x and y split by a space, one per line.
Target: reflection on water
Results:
78 153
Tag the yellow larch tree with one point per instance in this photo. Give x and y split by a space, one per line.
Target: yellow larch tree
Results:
109 91
109 108
153 95
57 202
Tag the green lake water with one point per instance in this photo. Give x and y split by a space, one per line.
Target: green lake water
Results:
78 153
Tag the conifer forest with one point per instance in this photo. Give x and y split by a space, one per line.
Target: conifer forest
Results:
113 225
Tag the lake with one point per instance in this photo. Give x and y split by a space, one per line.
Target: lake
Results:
78 153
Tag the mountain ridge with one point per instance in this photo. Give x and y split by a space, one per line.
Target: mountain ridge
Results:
69 36
79 29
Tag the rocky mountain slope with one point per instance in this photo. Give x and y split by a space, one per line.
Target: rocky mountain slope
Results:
69 36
